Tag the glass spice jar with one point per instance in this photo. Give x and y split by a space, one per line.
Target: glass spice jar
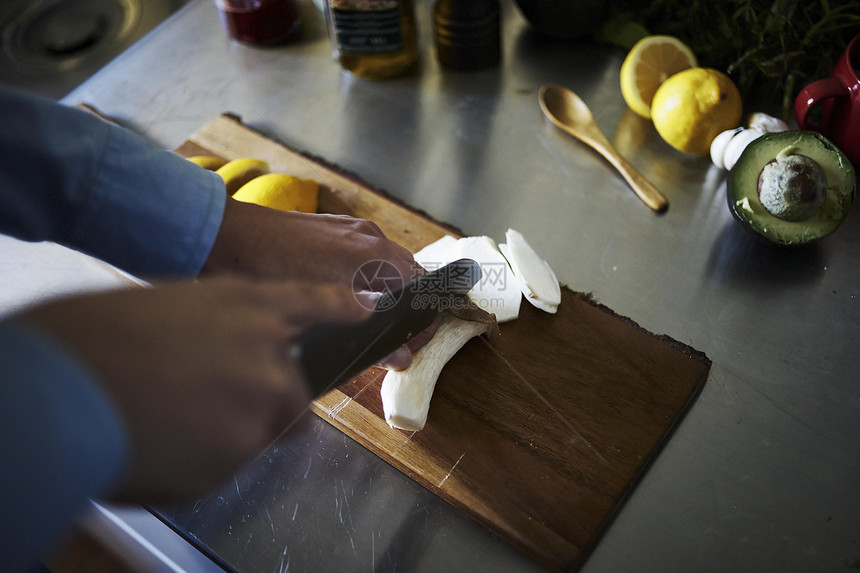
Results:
374 39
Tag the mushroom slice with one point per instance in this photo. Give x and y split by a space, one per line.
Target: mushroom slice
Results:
406 394
438 253
498 291
537 280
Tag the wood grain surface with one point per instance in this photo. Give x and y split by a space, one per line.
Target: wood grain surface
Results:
541 434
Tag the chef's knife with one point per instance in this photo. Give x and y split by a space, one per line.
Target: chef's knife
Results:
330 354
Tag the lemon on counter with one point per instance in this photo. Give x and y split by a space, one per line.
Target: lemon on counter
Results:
281 191
692 107
238 172
651 61
207 161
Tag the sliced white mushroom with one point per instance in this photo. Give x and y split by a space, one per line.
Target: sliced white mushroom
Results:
406 394
437 253
536 278
498 291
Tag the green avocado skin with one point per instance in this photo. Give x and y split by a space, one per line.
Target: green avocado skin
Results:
742 187
565 19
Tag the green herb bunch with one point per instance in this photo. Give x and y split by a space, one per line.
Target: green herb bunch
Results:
770 48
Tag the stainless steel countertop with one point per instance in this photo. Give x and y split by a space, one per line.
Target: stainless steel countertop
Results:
763 472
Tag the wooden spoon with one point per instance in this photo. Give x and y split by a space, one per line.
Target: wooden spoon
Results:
569 113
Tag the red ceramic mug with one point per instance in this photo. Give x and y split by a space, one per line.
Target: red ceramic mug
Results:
839 97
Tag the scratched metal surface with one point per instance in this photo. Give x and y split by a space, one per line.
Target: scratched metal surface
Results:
761 475
320 502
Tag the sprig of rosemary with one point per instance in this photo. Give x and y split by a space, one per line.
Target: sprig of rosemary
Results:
770 48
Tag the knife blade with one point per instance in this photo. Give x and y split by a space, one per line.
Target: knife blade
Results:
330 354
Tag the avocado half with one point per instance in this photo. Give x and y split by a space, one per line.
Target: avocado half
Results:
743 187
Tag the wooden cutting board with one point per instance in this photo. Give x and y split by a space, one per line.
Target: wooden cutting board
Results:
540 434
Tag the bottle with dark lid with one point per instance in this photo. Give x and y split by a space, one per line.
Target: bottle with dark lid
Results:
467 33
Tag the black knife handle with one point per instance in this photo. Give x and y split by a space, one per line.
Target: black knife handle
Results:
330 354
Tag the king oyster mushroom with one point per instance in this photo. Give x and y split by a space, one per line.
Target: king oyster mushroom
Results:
406 394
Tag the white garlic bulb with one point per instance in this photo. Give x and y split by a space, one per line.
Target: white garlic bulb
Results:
728 146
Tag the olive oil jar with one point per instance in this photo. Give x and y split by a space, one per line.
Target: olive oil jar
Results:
374 39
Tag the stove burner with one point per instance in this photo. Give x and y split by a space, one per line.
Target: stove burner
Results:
73 34
61 34
51 46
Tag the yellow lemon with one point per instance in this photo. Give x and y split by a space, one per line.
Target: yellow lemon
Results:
239 171
207 162
648 64
281 191
694 106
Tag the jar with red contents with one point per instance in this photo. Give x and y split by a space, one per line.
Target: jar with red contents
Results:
261 22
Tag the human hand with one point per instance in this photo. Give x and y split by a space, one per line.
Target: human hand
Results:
267 243
200 372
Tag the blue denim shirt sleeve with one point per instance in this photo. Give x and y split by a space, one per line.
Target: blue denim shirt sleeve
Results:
61 443
68 177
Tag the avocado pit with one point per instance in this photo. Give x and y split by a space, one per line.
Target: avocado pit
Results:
792 187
